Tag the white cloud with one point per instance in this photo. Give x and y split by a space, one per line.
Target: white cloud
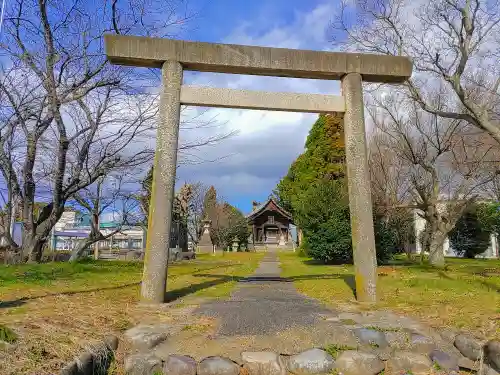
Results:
267 142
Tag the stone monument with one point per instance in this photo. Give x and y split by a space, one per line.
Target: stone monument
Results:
205 244
236 244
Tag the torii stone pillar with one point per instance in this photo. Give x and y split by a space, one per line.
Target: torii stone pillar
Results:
175 55
358 183
154 280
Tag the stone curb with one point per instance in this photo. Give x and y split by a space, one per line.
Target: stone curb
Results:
320 362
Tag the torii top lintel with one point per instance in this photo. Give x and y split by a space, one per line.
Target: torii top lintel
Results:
239 59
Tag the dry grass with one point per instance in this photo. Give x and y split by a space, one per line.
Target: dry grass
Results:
57 308
466 295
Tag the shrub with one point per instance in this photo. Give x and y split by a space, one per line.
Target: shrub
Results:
325 219
489 216
323 215
57 255
331 242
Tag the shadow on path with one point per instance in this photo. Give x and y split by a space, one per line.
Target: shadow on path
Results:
21 301
348 279
172 295
175 294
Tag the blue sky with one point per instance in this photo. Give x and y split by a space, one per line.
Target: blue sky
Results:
252 162
219 18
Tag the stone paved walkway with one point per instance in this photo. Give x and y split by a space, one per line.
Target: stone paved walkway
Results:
266 313
263 304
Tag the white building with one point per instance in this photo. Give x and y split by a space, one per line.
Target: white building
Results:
492 252
70 229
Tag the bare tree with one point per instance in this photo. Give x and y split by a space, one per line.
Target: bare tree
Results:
74 131
188 205
67 117
391 191
390 188
195 211
454 45
105 196
444 170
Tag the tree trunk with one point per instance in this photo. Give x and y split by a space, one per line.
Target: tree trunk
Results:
436 253
96 250
12 255
77 252
34 249
36 236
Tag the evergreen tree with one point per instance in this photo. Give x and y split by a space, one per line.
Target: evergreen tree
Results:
323 214
323 158
229 225
315 192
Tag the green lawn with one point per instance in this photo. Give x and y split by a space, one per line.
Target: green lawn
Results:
54 307
465 295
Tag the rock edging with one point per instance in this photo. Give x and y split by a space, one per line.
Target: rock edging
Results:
95 359
375 349
320 362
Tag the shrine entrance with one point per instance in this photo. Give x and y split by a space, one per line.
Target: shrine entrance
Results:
270 225
175 56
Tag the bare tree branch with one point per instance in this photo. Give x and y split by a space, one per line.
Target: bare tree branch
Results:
435 165
451 43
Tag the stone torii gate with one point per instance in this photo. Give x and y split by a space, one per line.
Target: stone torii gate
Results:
174 56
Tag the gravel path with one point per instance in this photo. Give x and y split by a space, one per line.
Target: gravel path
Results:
263 303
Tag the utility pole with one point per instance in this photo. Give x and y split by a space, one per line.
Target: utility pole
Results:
97 219
12 223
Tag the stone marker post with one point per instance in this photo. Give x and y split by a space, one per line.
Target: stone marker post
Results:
360 201
154 279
